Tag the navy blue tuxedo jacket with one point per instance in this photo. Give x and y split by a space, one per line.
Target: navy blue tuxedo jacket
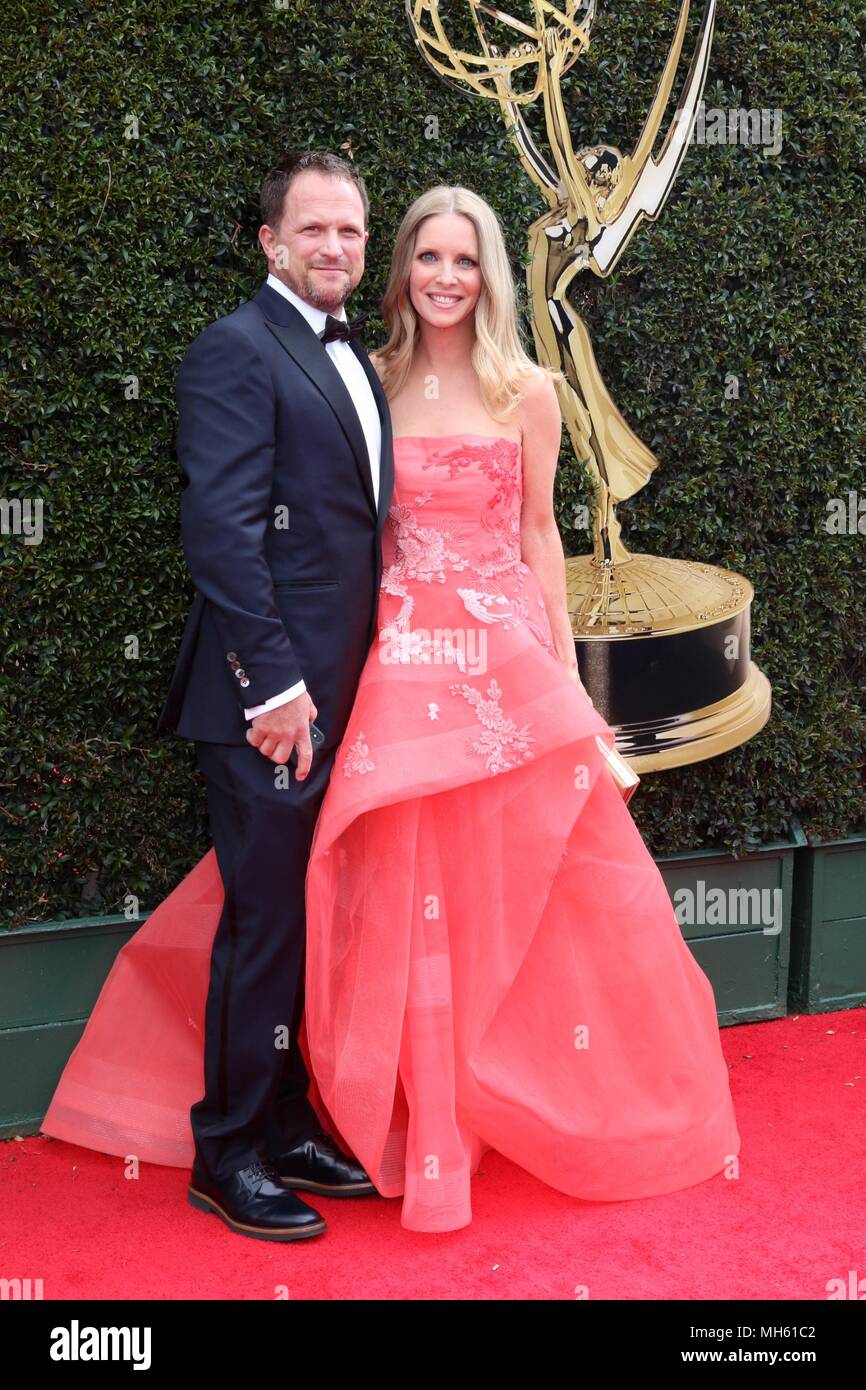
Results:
280 528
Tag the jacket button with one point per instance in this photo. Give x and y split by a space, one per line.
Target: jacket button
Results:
231 656
244 681
240 673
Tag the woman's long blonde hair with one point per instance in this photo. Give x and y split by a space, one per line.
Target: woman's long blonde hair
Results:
498 356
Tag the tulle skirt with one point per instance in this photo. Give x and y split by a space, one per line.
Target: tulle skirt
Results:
499 965
492 963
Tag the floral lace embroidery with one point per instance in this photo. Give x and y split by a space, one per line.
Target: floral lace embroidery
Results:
478 602
504 558
422 554
496 461
408 646
425 553
356 759
422 551
502 745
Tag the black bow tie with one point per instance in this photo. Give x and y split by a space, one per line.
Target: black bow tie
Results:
339 328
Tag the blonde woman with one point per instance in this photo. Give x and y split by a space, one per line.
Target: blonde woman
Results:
492 956
492 959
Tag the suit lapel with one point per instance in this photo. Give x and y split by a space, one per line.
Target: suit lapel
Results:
386 453
295 335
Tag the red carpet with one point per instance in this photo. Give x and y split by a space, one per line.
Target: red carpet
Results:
791 1221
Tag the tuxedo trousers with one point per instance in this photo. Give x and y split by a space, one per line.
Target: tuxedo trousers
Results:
262 821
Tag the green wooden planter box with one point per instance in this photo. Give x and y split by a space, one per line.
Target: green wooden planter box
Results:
50 976
828 926
745 953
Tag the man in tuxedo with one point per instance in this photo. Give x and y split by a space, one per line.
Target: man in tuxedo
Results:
284 435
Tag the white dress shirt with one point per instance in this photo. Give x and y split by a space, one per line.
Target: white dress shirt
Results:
355 378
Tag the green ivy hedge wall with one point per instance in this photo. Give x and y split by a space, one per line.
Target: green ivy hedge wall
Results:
134 141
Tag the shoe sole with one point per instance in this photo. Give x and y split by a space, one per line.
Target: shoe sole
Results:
202 1202
360 1189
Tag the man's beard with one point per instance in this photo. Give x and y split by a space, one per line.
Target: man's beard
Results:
323 299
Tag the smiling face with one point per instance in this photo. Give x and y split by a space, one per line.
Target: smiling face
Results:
445 276
318 247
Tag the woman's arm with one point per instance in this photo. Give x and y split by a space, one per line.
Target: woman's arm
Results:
540 543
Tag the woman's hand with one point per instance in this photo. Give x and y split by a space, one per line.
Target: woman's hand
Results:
574 673
569 661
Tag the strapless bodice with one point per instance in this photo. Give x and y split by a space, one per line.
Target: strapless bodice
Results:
456 506
451 547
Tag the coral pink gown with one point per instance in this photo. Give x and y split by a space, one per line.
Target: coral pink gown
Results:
493 960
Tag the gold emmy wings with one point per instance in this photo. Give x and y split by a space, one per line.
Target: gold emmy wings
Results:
597 199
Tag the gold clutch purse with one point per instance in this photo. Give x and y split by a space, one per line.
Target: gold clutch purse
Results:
623 775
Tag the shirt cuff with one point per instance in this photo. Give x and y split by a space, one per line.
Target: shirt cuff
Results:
276 700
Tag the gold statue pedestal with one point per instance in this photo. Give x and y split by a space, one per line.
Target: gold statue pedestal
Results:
663 649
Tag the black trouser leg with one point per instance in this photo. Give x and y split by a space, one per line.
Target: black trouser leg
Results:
255 1089
292 1118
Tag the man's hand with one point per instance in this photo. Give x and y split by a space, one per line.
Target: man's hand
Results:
279 730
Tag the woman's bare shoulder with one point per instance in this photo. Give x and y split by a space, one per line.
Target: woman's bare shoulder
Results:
377 364
539 403
538 390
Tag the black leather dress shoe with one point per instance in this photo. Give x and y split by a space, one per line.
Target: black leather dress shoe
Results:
255 1203
319 1165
